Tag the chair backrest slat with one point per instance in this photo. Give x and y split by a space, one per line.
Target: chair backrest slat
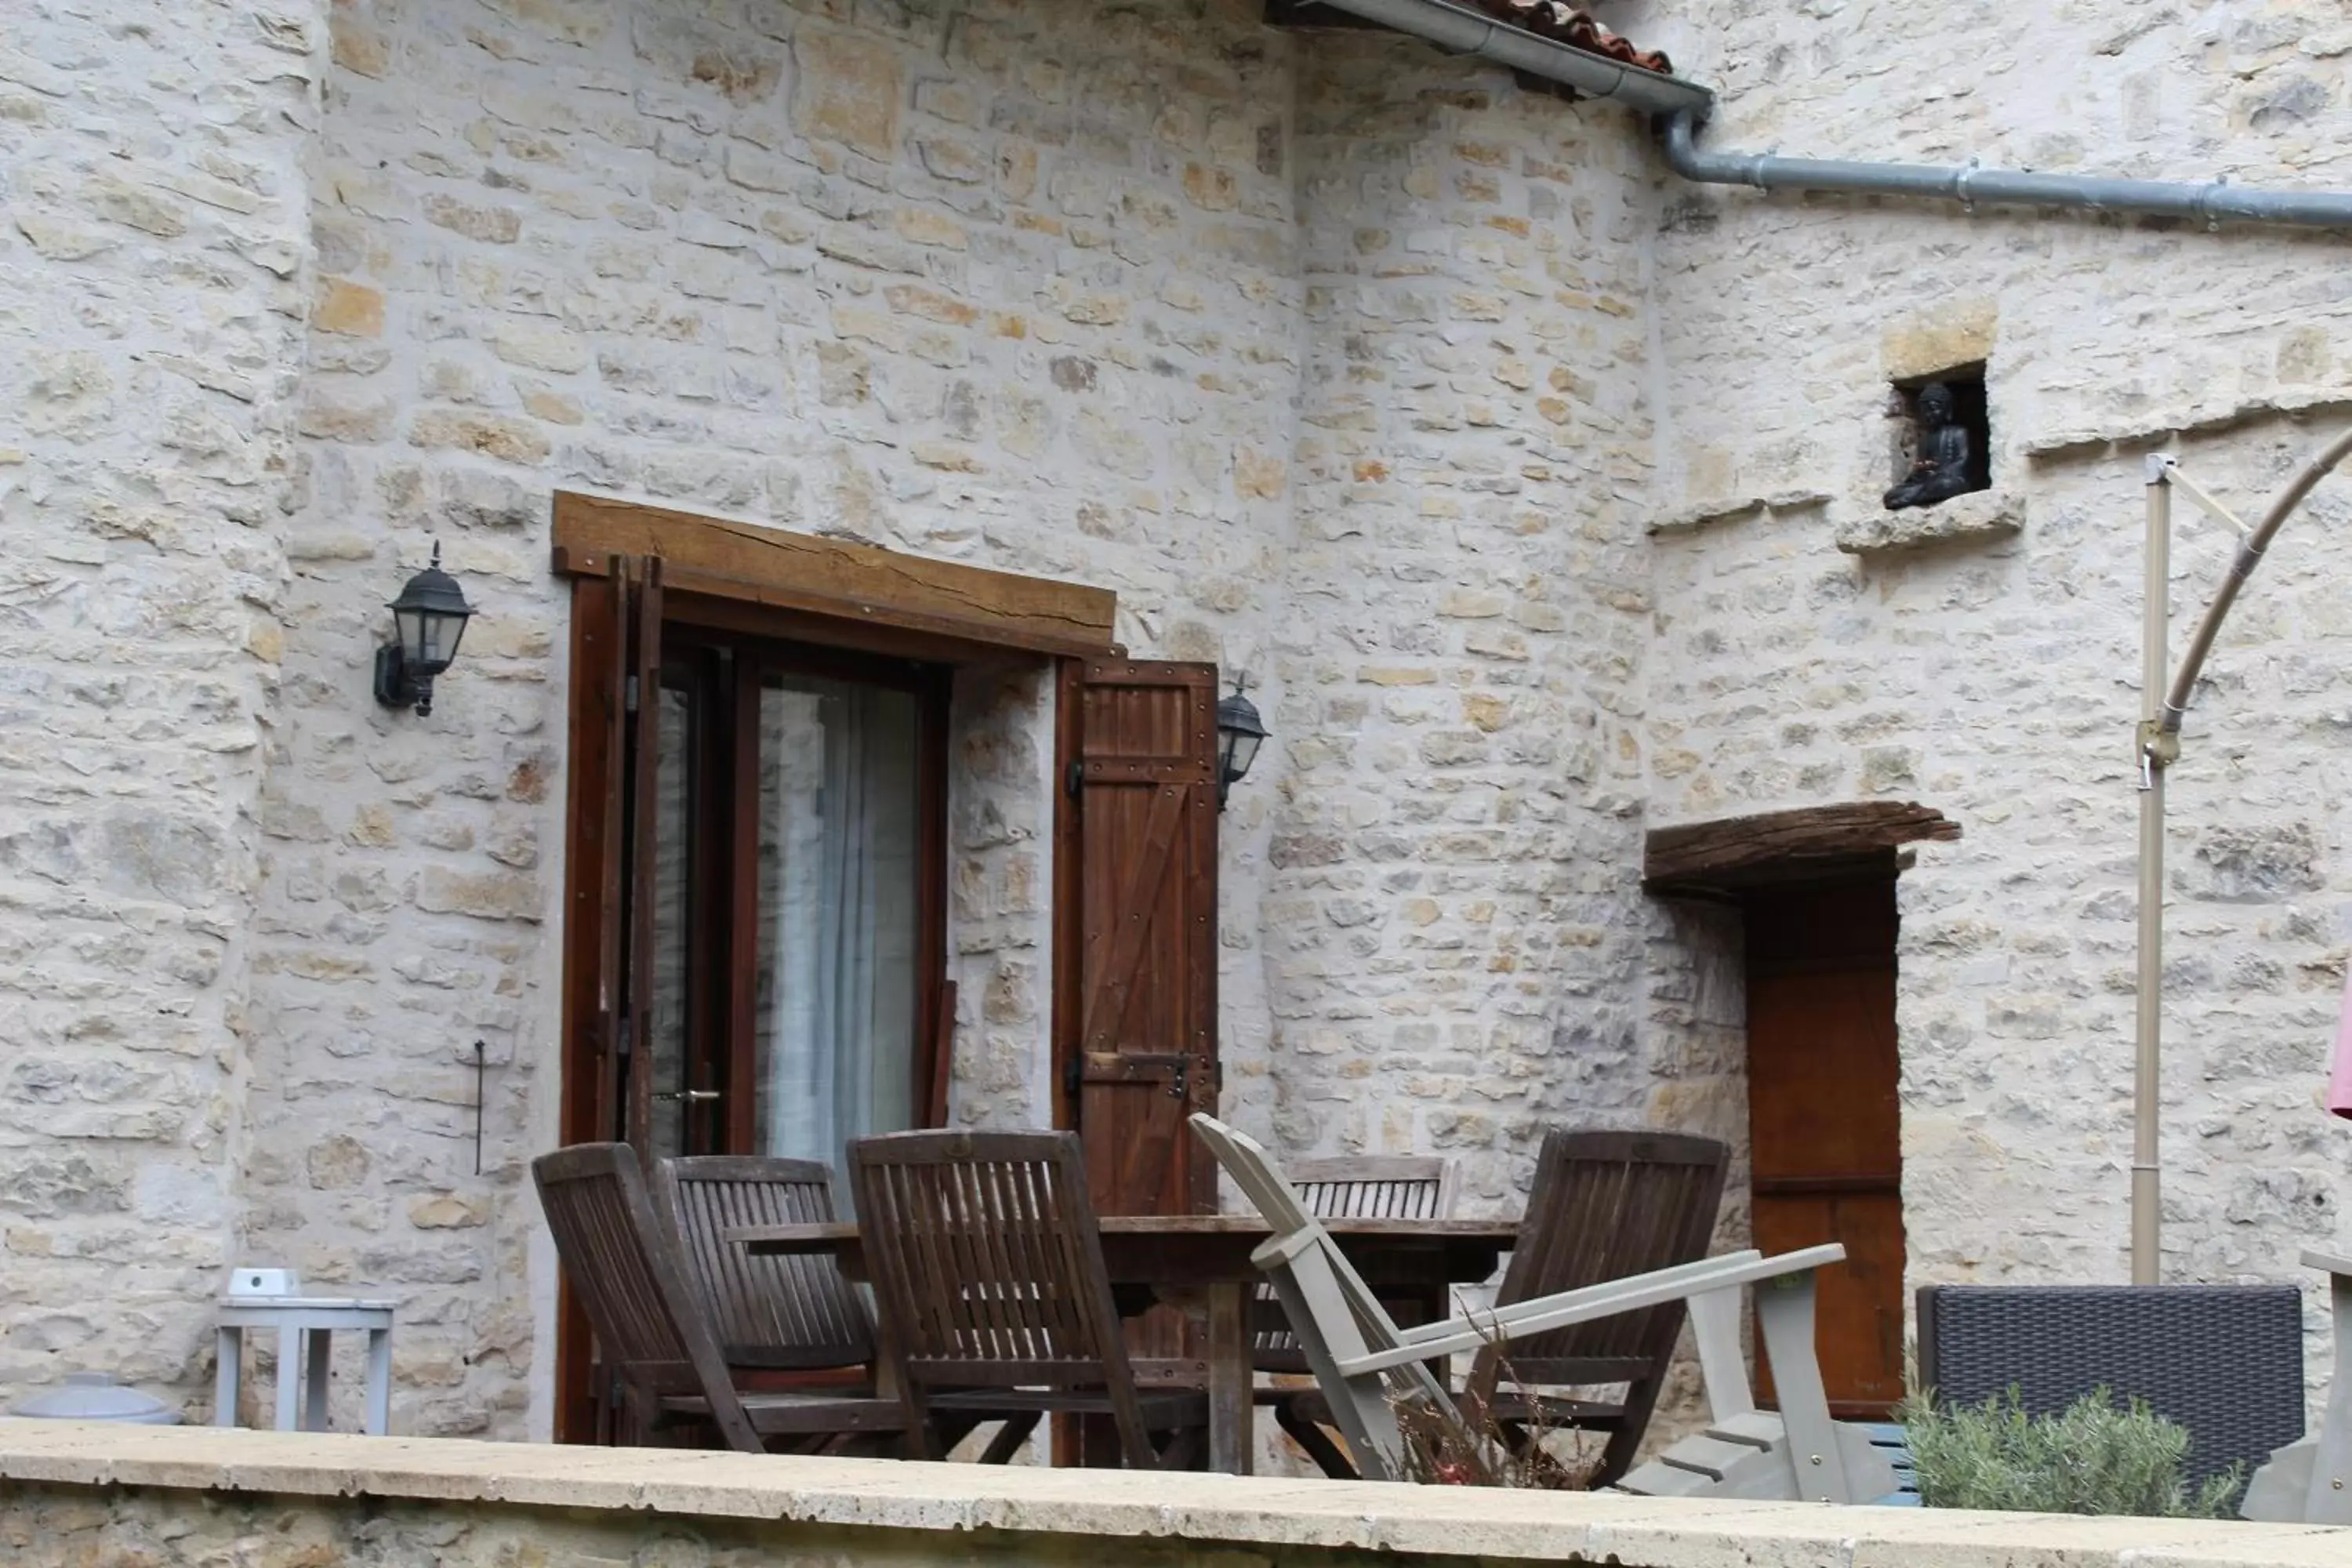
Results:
623 1260
777 1311
1607 1205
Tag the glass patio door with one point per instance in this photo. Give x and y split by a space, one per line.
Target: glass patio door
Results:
838 870
789 907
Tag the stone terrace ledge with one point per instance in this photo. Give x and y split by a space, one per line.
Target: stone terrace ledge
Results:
77 1493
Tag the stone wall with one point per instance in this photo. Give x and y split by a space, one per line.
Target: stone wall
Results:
154 270
985 282
71 1494
1046 290
1998 680
1453 926
1511 468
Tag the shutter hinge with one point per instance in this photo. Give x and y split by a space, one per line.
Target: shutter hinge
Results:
1074 1074
629 695
1075 779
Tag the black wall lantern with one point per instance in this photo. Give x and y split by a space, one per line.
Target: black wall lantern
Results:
1239 734
428 617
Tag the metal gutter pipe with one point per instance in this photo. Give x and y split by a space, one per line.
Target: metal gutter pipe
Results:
1460 30
2211 203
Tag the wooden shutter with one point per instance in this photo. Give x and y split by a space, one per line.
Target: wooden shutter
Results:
593 880
1141 1051
637 967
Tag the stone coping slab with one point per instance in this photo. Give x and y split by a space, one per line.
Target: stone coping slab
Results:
1265 1513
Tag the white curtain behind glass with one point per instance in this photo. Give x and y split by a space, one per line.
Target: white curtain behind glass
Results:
839 795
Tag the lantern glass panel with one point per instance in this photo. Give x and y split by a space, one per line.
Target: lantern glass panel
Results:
411 626
1241 750
442 631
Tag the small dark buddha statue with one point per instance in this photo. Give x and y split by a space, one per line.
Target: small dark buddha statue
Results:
1942 470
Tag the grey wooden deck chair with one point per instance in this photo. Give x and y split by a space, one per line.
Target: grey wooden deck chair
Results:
786 1313
1358 1352
624 1259
2310 1482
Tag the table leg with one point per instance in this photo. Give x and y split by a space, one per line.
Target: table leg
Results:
379 1382
1233 1441
229 1352
320 1346
289 1380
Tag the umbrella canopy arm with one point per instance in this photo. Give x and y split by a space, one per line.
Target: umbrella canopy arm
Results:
2249 557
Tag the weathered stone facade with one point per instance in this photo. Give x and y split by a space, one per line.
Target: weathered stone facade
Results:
154 269
1512 468
1997 678
75 1494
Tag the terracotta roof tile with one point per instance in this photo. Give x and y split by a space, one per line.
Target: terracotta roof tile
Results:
1564 24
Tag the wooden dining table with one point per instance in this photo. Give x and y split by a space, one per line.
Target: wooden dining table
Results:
1202 1263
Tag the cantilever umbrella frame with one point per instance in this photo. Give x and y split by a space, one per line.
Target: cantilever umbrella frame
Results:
2162 709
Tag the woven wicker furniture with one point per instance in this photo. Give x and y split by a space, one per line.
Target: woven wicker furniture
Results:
2223 1360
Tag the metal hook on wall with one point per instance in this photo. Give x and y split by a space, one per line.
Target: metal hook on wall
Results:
481 1078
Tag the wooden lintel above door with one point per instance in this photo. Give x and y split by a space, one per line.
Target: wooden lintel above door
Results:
1728 857
845 584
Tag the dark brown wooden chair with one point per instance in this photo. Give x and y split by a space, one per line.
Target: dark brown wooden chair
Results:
624 1261
1409 1186
786 1313
988 1269
1605 1205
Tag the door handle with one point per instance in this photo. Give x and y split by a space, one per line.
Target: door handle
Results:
692 1096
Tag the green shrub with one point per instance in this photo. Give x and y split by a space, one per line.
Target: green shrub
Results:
2094 1457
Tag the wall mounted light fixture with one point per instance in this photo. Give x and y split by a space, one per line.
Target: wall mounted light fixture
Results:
429 619
1240 732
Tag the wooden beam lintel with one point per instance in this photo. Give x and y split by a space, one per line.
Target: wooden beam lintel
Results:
852 582
1721 857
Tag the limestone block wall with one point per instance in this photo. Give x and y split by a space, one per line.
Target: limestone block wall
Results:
988 282
154 279
76 1494
1997 680
1045 290
1453 930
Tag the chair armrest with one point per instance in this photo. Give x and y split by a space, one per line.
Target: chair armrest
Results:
1628 1295
1505 1315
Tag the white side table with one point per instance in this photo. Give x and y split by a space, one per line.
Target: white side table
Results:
306 1326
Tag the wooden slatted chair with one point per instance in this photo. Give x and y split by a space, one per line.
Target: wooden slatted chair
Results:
988 1270
632 1276
1407 1186
1605 1207
784 1313
1358 1352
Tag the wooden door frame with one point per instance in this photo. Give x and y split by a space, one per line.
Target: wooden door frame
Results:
719 576
1069 931
1843 891
1731 860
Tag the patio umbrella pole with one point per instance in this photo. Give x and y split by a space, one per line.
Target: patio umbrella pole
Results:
2159 748
2146 1201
